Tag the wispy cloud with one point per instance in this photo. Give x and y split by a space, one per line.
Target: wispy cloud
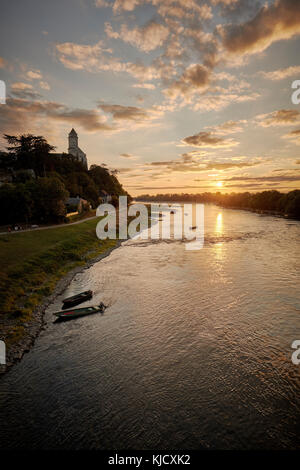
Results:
280 74
282 117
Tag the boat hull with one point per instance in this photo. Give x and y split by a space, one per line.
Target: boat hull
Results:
79 312
77 299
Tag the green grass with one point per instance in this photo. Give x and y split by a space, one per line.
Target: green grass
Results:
33 262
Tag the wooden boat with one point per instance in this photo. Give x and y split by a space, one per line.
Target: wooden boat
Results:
80 312
77 299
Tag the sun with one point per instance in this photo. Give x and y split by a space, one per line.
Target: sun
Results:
219 184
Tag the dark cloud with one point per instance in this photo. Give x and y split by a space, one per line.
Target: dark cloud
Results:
26 94
296 132
195 77
126 155
20 115
207 139
280 20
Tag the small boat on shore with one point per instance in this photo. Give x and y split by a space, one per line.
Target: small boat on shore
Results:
77 299
80 312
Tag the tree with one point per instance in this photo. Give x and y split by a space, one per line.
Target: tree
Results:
49 195
29 151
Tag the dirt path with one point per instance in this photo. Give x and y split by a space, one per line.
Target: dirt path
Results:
48 226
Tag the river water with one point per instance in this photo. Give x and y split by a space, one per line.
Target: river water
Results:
194 350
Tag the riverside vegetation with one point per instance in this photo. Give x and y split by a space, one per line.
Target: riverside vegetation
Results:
273 202
33 262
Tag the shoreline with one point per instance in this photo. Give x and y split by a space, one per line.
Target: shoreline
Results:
234 208
36 325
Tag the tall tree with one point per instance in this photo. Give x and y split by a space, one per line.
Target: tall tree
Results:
29 151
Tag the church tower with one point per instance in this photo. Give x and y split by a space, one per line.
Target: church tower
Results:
74 149
73 140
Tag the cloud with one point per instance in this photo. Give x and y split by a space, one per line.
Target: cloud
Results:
278 178
126 155
96 58
102 3
147 86
228 127
146 38
21 86
125 112
127 5
24 115
281 73
177 8
25 94
273 22
188 163
138 117
294 136
215 102
228 166
195 77
282 117
224 2
34 75
81 56
44 85
208 139
182 9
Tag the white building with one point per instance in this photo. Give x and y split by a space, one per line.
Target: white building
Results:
74 149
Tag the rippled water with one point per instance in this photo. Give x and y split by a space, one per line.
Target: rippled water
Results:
193 352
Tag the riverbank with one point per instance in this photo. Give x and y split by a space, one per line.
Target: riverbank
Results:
36 267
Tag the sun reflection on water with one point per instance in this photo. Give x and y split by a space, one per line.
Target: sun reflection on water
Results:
219 224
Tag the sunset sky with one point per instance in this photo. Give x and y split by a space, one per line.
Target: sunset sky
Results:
177 95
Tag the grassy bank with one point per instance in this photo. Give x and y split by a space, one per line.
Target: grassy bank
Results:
31 265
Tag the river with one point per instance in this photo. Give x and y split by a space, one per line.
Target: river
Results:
193 351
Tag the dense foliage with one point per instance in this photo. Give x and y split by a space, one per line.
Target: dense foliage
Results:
270 201
41 181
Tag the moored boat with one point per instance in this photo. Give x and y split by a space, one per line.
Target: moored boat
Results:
80 312
77 299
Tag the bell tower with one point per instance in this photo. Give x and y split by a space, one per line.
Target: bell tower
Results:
73 140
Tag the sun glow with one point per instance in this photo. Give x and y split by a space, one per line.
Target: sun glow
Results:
219 184
219 223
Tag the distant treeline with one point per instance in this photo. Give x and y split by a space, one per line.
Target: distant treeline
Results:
41 181
266 201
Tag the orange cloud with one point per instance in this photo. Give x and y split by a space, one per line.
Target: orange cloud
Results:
147 38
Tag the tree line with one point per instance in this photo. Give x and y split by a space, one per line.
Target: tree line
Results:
266 201
43 180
